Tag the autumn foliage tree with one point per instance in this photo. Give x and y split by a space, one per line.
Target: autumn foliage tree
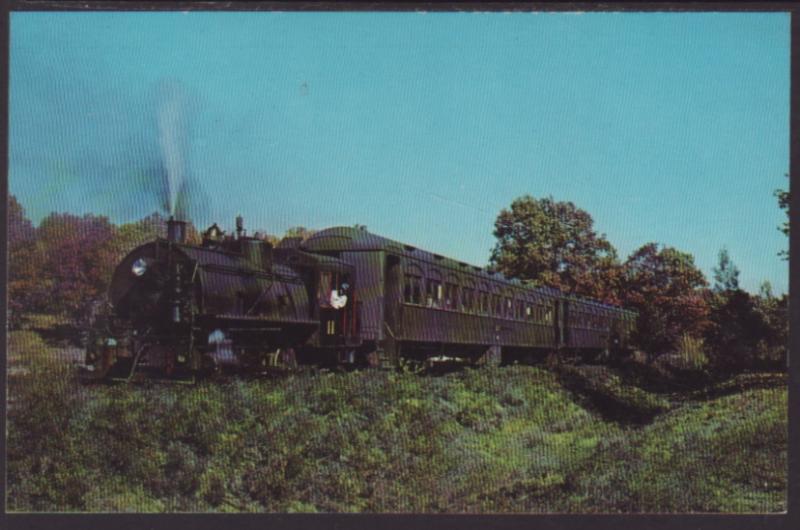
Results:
27 291
666 288
130 235
555 244
79 258
299 231
64 266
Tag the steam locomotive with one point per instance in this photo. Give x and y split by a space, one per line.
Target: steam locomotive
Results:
344 295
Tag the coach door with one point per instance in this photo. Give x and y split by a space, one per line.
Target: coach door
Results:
336 298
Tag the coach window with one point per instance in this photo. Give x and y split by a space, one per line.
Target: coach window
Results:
467 296
508 307
412 290
451 293
497 305
548 313
434 292
483 302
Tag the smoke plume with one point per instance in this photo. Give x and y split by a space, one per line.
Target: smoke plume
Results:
172 136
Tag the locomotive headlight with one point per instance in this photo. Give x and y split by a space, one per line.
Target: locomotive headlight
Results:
139 267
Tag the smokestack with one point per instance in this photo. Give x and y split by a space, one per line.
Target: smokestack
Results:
176 230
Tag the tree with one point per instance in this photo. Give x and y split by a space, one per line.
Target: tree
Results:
27 290
771 351
555 244
783 203
736 332
79 257
665 287
299 231
20 229
131 235
726 274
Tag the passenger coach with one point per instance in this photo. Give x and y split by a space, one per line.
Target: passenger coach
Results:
417 304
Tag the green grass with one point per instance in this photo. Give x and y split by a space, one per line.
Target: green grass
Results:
728 454
610 395
509 439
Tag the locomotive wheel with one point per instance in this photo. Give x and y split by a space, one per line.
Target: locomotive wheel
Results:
288 358
282 359
373 360
121 368
208 367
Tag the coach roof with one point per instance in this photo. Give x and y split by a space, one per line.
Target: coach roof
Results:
349 239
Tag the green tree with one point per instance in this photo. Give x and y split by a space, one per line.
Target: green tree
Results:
554 243
783 202
726 274
772 350
736 332
665 287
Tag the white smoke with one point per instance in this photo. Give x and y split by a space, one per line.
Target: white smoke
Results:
172 135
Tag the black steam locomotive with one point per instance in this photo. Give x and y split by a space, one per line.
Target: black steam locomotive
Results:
343 295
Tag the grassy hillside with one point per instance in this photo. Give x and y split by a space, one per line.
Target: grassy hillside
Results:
518 438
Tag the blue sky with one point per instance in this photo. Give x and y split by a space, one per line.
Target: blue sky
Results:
671 128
